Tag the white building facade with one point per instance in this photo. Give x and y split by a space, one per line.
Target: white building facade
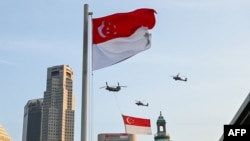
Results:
116 137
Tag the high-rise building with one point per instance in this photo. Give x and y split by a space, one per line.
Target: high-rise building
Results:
4 136
32 120
58 105
161 134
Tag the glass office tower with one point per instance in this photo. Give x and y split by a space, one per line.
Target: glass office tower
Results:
32 120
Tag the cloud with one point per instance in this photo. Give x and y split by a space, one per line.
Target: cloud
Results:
2 61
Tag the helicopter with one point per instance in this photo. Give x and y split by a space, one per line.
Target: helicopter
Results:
139 103
113 89
177 77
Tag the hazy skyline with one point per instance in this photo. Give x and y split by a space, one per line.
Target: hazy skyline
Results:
206 41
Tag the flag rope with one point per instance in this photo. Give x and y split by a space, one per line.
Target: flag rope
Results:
117 103
91 87
91 107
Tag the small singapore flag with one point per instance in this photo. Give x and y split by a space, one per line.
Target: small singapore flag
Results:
135 125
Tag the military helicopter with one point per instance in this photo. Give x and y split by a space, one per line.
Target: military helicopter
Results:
139 103
177 77
113 89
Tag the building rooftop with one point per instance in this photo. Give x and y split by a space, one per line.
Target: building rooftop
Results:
242 116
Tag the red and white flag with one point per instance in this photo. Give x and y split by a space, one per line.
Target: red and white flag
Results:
120 36
135 125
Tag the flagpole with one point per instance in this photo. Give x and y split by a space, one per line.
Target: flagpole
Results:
85 76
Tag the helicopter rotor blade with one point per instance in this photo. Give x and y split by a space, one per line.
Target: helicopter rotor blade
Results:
102 87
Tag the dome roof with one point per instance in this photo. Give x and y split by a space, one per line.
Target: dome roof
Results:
160 118
4 135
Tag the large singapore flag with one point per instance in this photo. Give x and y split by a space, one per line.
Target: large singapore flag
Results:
135 125
120 36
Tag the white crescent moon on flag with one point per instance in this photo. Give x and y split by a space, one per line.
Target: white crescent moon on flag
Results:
129 121
100 30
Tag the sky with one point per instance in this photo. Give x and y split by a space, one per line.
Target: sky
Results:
206 41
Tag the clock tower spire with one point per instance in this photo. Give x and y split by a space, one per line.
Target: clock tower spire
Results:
161 134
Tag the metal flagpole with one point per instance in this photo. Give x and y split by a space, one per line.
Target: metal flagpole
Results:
85 76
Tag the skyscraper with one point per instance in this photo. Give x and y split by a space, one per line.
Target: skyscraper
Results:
32 120
58 105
